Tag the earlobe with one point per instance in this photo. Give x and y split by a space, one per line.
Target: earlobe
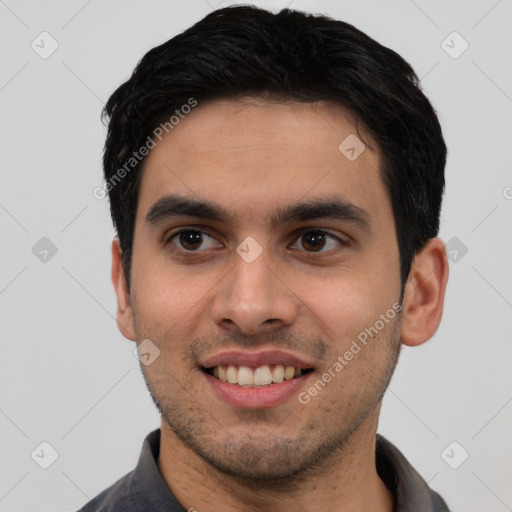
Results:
424 294
124 316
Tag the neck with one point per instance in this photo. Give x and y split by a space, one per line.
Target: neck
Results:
348 479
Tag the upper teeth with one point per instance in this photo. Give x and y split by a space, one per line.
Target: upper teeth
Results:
261 376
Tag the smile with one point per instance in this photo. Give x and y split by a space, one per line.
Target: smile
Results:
255 379
262 376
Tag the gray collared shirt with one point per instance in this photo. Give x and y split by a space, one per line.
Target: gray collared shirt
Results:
144 489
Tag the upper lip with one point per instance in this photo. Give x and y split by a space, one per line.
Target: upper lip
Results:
255 359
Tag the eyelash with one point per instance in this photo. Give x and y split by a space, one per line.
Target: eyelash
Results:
297 235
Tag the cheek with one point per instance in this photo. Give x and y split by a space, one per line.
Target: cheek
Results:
348 304
168 304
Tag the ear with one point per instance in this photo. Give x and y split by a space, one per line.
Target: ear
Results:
424 294
124 317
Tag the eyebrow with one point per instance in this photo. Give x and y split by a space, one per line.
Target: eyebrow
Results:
172 206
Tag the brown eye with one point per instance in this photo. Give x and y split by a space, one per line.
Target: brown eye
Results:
191 240
317 240
313 240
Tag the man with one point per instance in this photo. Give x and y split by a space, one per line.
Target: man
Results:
275 181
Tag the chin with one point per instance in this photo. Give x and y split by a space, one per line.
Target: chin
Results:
252 461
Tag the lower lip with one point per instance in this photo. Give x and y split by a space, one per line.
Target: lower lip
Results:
256 398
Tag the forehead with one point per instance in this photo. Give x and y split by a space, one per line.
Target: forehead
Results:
253 156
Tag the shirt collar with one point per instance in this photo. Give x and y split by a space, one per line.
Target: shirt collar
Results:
410 491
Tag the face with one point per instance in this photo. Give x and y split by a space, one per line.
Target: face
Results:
262 256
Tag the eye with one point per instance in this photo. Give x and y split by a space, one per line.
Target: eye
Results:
316 240
191 240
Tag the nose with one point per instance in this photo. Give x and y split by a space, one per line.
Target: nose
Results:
255 297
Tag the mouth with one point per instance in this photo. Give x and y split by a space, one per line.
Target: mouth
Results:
255 380
260 377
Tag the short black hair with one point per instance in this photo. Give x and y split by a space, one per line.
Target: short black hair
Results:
244 51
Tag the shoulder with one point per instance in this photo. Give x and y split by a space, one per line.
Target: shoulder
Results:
411 492
116 498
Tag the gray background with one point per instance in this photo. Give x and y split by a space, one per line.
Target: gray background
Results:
67 375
